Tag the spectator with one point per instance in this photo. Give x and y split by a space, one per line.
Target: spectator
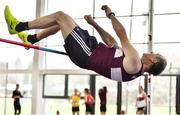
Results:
141 101
57 112
17 95
89 101
74 99
102 96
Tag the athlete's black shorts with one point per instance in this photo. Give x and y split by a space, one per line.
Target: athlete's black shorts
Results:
79 45
89 108
140 108
75 109
103 108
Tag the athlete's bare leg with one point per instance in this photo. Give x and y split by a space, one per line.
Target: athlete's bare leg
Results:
65 22
47 32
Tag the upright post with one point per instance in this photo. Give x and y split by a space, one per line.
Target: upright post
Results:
119 97
150 29
150 49
148 90
149 103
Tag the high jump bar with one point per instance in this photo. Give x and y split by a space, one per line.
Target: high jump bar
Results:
32 46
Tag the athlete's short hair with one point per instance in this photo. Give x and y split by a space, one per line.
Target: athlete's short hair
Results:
159 66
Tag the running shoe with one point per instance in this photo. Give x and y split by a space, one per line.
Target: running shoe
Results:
11 21
24 38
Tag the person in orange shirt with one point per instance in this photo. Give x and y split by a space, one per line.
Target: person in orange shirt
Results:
89 101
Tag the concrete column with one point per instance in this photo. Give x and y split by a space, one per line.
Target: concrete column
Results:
37 102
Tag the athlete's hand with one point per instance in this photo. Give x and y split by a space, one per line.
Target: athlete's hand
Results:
89 19
106 9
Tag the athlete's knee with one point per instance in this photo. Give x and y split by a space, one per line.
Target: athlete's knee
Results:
60 15
63 18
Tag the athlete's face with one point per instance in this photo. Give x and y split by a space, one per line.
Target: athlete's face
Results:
149 58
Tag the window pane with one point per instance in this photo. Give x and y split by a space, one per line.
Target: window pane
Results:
24 81
17 58
164 102
58 61
140 6
75 8
166 6
139 32
54 85
141 48
111 95
120 7
79 82
2 85
22 9
170 53
166 28
2 106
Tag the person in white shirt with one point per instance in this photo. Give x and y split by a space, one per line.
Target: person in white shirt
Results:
141 101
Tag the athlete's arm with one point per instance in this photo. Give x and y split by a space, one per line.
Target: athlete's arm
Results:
106 37
132 62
